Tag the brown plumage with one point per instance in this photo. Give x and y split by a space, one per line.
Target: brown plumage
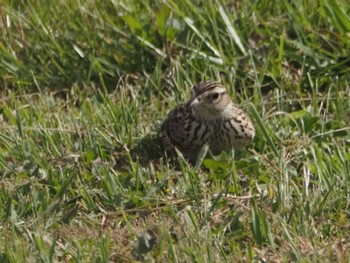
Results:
209 117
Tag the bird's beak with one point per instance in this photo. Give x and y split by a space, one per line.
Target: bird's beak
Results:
193 102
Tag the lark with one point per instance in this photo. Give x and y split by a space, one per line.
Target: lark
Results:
210 118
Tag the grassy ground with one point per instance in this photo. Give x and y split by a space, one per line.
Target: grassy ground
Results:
84 88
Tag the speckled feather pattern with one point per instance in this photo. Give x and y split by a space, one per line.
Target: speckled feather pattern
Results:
189 128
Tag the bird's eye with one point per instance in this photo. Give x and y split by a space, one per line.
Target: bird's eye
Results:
215 96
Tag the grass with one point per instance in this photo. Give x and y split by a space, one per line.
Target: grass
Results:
84 88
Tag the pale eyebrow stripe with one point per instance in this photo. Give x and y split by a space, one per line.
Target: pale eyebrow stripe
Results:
219 89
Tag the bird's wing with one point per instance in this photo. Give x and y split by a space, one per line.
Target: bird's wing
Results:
174 133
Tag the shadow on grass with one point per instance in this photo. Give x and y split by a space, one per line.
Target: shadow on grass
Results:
149 149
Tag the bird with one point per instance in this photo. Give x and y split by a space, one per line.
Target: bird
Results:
209 118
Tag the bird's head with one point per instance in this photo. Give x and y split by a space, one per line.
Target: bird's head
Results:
209 100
